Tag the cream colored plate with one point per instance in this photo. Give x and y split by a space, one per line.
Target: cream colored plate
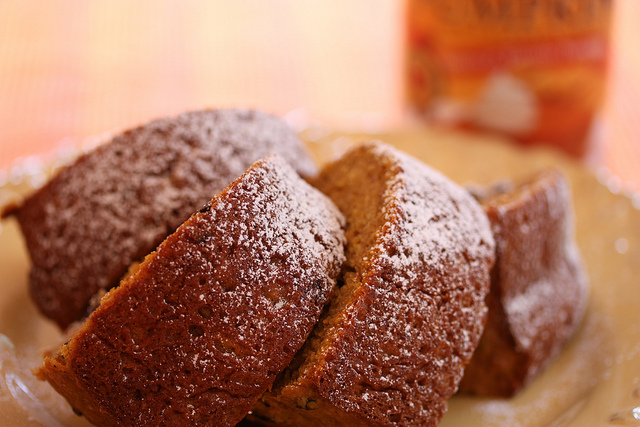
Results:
594 382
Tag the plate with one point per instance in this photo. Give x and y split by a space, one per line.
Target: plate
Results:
594 381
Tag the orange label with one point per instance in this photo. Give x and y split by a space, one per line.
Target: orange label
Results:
534 70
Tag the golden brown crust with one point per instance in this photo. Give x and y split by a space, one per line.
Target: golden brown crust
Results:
115 204
200 331
538 288
393 344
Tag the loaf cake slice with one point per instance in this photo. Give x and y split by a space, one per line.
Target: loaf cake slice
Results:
392 346
538 286
115 204
203 327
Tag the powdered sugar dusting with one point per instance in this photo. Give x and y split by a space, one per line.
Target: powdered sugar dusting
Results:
548 287
442 218
531 311
435 225
116 203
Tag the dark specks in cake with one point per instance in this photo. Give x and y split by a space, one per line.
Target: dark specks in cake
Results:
196 330
306 404
206 208
191 141
437 218
171 300
205 311
319 286
263 418
228 286
394 418
203 238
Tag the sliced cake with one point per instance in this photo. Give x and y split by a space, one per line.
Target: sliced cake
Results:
538 285
392 346
201 330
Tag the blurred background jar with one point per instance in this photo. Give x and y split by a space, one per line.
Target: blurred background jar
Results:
534 70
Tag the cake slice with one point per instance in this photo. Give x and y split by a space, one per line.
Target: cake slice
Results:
538 286
392 346
116 203
201 330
